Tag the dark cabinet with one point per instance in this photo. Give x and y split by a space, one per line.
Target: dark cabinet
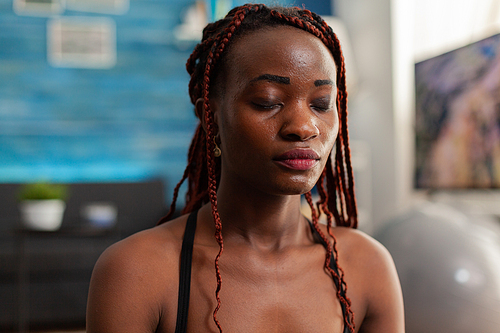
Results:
45 276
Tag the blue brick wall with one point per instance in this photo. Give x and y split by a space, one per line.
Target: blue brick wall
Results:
128 123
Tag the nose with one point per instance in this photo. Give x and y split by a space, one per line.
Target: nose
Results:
299 123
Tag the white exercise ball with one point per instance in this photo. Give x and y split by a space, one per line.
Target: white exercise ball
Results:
449 266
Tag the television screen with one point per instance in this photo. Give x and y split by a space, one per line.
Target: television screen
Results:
458 118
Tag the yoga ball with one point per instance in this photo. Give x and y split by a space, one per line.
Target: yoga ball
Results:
448 263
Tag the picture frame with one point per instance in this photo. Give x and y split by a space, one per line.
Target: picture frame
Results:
81 42
457 118
38 7
116 7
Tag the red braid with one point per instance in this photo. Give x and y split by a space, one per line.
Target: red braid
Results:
340 282
212 184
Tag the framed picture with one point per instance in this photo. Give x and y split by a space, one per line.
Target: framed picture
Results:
81 42
458 118
117 7
38 7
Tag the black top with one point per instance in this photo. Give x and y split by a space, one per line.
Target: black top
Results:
185 275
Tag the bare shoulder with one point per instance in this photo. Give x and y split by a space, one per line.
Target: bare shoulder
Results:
143 248
359 246
132 279
373 282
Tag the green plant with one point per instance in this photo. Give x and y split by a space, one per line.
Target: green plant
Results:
43 191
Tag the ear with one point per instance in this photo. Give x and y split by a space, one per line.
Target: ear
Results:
200 111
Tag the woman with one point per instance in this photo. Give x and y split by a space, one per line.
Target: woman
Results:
269 88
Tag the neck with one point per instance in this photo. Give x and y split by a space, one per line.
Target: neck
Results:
263 221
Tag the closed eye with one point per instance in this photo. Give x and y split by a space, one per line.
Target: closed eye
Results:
322 104
321 108
266 106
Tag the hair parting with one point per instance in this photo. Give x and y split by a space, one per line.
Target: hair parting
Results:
335 186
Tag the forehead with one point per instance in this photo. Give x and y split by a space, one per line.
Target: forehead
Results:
279 50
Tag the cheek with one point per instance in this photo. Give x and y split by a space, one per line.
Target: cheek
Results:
335 131
331 130
246 136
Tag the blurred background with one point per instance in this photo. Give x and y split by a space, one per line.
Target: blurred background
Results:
94 112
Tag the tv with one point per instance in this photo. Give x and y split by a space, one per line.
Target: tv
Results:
458 118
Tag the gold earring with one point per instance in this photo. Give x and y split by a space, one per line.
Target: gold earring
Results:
217 151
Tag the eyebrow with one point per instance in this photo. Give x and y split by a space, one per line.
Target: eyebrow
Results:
286 80
274 78
319 83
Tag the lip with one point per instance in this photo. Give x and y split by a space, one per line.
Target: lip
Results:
298 159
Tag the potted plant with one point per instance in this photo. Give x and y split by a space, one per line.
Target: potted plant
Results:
42 205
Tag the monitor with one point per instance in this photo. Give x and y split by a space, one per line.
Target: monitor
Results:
458 118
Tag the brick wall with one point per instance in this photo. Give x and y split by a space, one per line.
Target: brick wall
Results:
129 122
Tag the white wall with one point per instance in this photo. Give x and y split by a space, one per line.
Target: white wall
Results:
443 25
388 37
371 118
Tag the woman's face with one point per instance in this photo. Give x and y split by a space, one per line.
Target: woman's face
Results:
276 115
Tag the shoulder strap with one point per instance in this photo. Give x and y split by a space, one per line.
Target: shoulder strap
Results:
185 273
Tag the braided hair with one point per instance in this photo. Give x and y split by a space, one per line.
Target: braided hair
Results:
335 185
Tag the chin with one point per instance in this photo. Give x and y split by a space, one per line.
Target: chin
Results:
297 188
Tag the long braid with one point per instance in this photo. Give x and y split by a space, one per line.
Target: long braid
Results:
330 250
197 189
212 187
203 169
214 54
323 203
343 155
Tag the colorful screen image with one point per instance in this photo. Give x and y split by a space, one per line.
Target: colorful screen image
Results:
458 118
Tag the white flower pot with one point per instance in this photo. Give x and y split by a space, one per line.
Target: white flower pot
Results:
45 215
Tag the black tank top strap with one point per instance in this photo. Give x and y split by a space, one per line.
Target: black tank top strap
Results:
185 273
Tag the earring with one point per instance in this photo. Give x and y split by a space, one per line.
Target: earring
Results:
217 151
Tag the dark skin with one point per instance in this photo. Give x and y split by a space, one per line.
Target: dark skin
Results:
279 96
